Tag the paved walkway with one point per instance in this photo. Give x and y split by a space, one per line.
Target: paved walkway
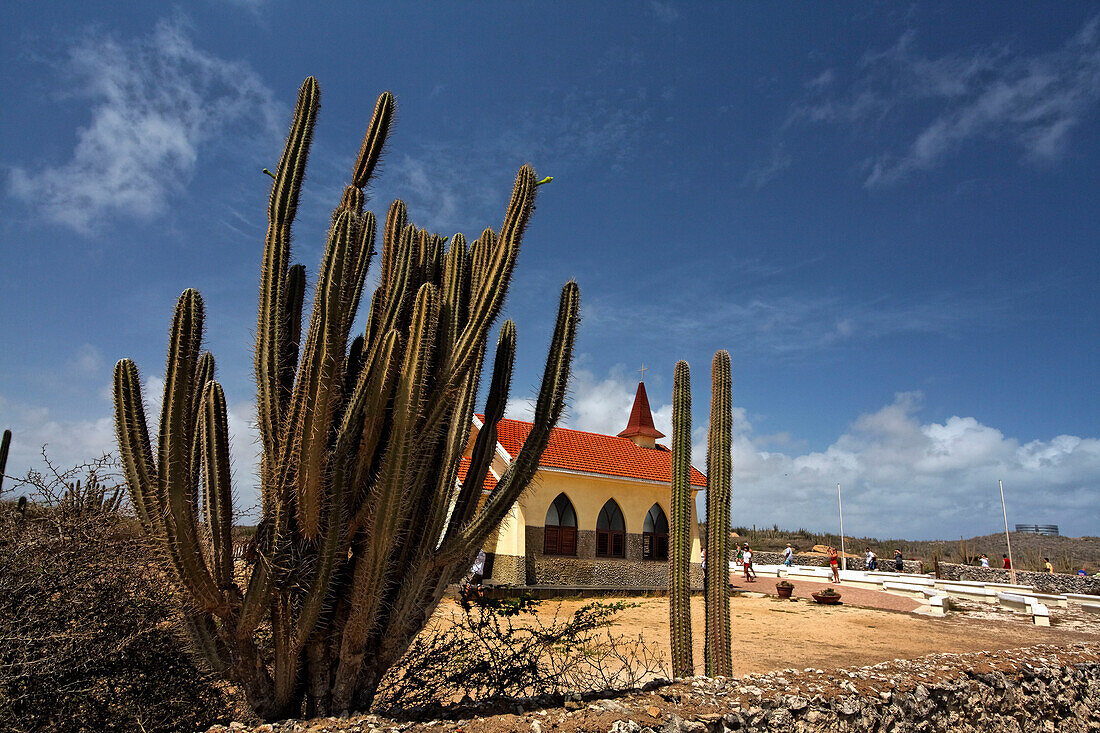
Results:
863 597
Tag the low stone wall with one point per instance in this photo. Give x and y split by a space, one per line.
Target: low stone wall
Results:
887 565
1054 583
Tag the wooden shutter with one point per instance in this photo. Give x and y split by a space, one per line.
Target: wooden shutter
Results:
567 545
617 541
551 541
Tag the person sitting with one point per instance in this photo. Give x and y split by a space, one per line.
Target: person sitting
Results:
899 562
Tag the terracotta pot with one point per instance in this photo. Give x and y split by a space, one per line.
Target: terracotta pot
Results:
827 600
784 591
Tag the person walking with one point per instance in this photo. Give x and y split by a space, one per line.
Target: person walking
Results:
739 558
477 574
834 563
746 557
872 560
899 562
788 555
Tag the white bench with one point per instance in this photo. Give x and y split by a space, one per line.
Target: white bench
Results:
911 590
1082 598
902 577
1050 600
1040 614
968 591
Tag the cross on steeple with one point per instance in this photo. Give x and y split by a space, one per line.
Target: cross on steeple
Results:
642 371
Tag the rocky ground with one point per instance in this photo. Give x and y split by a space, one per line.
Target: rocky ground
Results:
1037 688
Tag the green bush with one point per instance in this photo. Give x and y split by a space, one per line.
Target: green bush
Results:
88 638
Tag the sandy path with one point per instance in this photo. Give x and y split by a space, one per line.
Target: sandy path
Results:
769 634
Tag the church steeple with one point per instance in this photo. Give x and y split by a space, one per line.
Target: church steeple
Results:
640 428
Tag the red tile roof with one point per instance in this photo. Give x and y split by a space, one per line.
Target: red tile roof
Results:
576 450
490 480
641 419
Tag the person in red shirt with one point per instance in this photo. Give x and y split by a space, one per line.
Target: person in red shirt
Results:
834 563
1008 563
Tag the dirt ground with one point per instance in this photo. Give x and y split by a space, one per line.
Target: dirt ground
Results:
770 634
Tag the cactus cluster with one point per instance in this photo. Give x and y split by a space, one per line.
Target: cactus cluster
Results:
719 479
90 498
364 523
679 535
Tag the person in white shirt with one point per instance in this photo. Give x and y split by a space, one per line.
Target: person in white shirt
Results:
872 560
984 561
746 557
477 574
788 555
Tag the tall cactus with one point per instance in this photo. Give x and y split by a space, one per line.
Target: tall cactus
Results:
5 443
719 478
363 521
679 561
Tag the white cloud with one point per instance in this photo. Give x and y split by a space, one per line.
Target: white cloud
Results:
72 442
942 104
900 477
155 102
464 186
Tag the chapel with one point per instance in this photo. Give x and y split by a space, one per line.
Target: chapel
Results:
596 514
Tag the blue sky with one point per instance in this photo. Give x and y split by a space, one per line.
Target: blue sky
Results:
886 214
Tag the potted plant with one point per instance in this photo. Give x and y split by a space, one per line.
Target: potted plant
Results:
784 588
828 597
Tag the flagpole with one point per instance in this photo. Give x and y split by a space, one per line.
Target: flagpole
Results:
843 559
1008 540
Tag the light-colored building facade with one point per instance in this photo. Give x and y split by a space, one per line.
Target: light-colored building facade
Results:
596 514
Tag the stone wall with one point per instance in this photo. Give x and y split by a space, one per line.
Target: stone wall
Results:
887 565
1042 582
585 569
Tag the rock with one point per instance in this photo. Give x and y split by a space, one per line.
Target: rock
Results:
624 726
654 711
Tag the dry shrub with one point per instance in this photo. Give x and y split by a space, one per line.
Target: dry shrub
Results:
498 652
88 637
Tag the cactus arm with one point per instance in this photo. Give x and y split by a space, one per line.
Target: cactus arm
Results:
291 334
396 219
548 408
282 207
134 448
485 443
204 372
679 566
317 388
4 445
368 407
453 310
177 429
375 140
214 439
719 477
364 254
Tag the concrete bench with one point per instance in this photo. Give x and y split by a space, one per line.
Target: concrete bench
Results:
1091 607
902 577
936 605
1048 599
1040 614
1082 598
1010 588
968 592
906 589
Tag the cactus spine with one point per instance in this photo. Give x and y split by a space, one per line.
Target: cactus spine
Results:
363 522
679 561
719 478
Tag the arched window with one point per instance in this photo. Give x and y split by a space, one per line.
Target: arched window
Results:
655 534
610 531
560 534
